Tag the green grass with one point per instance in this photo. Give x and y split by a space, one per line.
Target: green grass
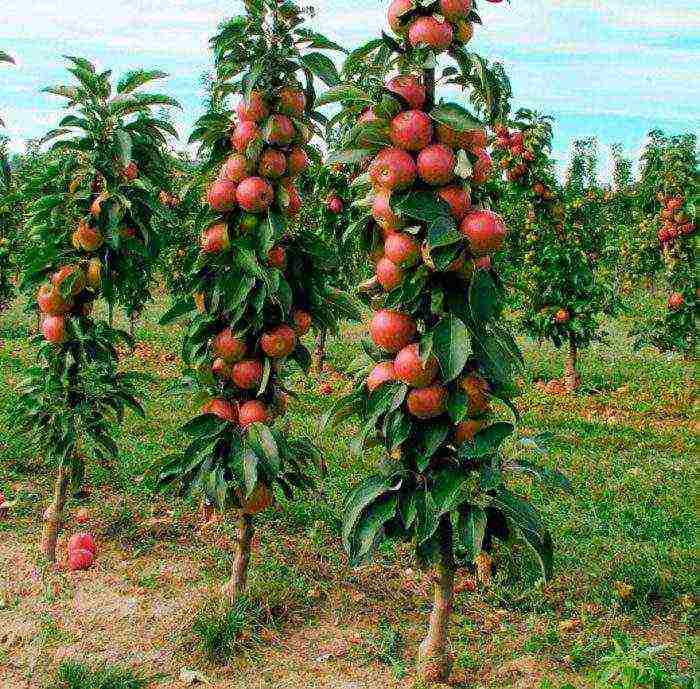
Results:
625 442
75 675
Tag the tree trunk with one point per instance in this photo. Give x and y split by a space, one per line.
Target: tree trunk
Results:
571 377
53 516
132 324
239 574
434 659
320 351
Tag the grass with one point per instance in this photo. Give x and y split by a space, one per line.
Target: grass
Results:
624 539
73 675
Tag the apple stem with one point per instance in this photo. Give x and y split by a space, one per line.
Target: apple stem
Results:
239 573
53 516
434 659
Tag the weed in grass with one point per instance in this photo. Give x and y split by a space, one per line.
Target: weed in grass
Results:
389 648
538 643
75 675
51 634
221 632
631 666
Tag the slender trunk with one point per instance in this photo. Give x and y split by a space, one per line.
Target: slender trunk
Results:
434 659
571 378
132 324
53 516
320 351
239 574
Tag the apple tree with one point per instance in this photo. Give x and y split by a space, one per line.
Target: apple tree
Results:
91 223
437 387
669 194
256 286
561 299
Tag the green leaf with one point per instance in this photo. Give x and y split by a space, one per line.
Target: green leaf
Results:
317 40
422 205
523 518
470 530
450 487
263 444
488 440
361 498
342 93
442 231
349 157
125 144
386 398
204 424
456 117
179 308
457 405
133 80
483 297
451 346
433 438
368 529
323 67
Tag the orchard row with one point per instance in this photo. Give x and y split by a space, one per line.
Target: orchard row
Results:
444 213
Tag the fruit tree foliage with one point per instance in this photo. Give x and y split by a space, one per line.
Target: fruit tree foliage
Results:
90 222
669 200
440 364
257 286
560 294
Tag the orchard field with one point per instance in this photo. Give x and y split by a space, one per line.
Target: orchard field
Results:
624 566
352 385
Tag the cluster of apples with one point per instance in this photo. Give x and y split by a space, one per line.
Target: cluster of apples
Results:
437 25
518 155
73 288
397 334
675 222
238 363
424 154
267 155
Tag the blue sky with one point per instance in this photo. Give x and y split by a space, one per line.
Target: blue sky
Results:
610 69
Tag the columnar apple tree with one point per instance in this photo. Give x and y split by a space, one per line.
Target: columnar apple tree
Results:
327 212
92 223
255 286
440 364
670 179
561 299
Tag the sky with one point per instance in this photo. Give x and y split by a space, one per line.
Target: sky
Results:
613 70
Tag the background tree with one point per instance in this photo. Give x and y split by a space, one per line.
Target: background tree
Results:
440 364
669 196
327 213
11 215
258 284
93 206
562 300
620 217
